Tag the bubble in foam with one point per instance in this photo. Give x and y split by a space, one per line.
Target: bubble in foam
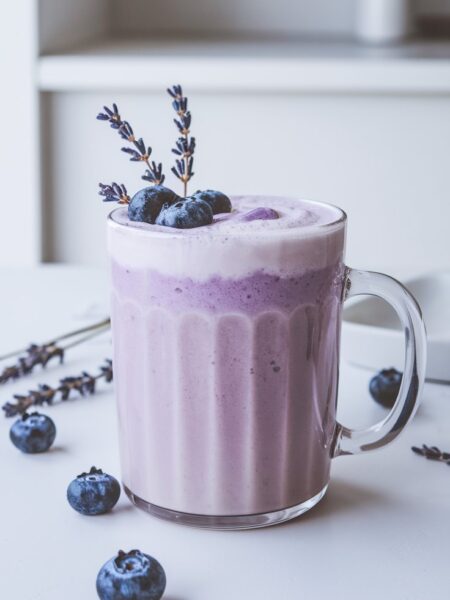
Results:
262 213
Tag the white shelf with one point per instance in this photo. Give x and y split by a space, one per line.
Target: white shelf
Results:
248 65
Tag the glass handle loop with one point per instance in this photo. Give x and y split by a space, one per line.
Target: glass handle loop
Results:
355 441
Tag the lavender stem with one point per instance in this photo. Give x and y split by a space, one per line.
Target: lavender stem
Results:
100 325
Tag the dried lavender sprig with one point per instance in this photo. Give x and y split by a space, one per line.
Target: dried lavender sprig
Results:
175 91
432 453
116 192
183 123
184 148
154 174
35 355
83 385
41 354
139 152
185 145
183 170
112 116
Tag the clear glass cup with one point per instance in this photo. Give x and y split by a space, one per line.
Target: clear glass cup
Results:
226 365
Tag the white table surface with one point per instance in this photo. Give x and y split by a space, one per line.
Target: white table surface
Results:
382 531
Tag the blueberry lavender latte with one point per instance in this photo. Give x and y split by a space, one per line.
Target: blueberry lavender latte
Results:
225 316
226 355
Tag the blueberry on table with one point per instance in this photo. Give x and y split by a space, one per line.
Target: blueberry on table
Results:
219 202
384 387
93 493
146 204
33 433
186 213
131 576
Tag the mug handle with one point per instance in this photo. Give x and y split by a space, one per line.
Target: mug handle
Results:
355 441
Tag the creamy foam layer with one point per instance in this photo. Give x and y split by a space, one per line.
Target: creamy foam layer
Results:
292 213
307 235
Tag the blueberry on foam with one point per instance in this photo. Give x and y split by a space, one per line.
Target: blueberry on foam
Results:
33 433
185 213
219 202
131 575
146 204
93 493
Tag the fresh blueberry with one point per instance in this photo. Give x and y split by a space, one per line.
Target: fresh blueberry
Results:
33 433
146 204
218 202
186 213
131 576
384 386
262 213
93 493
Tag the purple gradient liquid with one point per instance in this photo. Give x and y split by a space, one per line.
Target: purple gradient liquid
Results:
226 377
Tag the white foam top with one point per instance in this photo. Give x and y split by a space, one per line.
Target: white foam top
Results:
305 235
293 213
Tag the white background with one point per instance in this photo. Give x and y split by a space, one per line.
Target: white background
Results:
383 159
365 128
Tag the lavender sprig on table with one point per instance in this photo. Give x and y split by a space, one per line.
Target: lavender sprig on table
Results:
41 354
139 151
432 453
185 145
34 355
83 385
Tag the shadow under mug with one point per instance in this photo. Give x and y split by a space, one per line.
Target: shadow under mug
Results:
226 361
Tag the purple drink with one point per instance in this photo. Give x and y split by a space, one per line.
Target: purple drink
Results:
226 347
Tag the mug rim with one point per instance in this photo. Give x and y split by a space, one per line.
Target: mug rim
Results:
146 229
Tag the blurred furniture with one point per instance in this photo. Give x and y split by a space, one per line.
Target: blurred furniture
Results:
383 21
284 100
374 336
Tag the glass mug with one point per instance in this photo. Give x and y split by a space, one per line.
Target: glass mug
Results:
226 356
